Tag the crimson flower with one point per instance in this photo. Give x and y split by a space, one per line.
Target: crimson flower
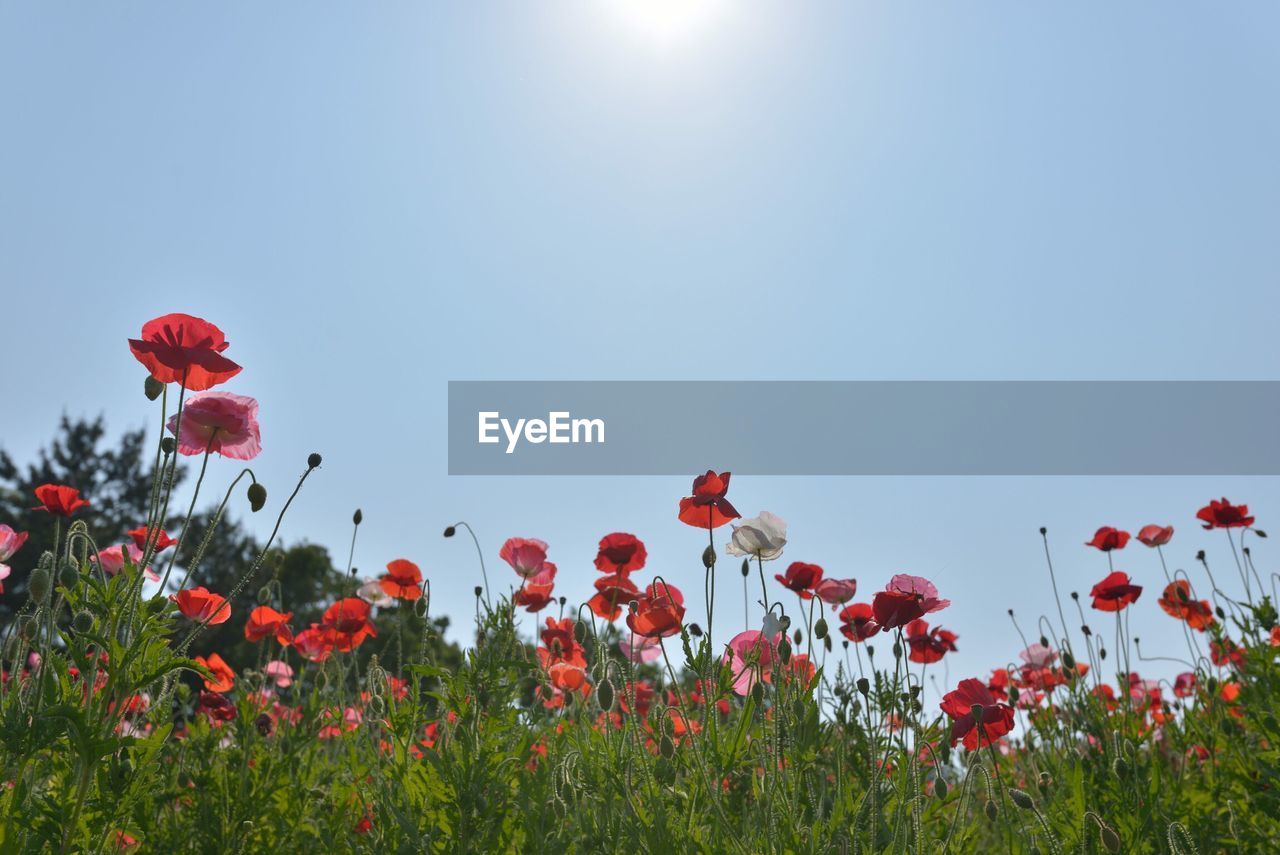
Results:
59 499
162 539
179 348
707 507
1223 514
1154 535
202 605
928 646
402 580
611 592
997 716
533 597
658 614
905 599
857 622
217 707
801 578
525 555
1184 685
265 622
1108 538
559 639
1177 602
347 623
620 553
1115 592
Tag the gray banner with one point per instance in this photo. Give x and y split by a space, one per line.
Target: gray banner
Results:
864 428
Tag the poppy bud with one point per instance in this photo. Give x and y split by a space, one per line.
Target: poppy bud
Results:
68 574
40 583
313 460
757 693
1068 661
1260 533
940 788
580 632
82 622
357 517
1044 642
897 650
746 568
826 642
667 747
1014 694
257 496
1110 840
864 686
820 629
708 557
1102 653
450 531
1120 767
1220 613
784 651
167 445
992 811
152 388
264 595
695 630
478 591
27 627
797 636
1021 799
604 695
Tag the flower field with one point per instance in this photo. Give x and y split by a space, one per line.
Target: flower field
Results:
632 722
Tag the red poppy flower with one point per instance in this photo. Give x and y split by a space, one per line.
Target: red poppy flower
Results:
202 605
403 580
643 694
801 578
1223 514
620 553
567 676
216 707
1177 602
658 614
533 598
905 599
857 622
1108 538
313 643
59 499
1114 592
1154 535
162 539
183 349
223 677
265 621
1226 652
997 716
347 623
707 507
928 646
611 592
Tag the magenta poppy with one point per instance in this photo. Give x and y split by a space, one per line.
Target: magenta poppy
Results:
219 422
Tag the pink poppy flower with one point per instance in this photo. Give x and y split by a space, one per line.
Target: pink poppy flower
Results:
836 592
1155 535
904 599
639 649
526 555
751 656
221 422
114 559
10 542
279 672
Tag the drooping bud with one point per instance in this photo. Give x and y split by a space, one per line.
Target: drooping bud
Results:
40 583
1068 661
152 388
695 630
1021 799
604 695
450 531
992 811
1110 840
757 692
940 788
784 651
708 557
68 574
820 629
257 496
667 747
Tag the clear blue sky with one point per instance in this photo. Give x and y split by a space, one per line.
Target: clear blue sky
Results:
373 199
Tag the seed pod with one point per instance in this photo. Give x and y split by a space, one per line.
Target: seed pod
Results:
313 460
1110 840
478 591
992 811
152 388
68 574
864 686
40 583
82 622
1021 799
820 629
708 557
604 695
257 496
167 445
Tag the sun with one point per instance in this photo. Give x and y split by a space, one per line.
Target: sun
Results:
667 21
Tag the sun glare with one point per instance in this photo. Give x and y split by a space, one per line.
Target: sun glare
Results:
667 21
